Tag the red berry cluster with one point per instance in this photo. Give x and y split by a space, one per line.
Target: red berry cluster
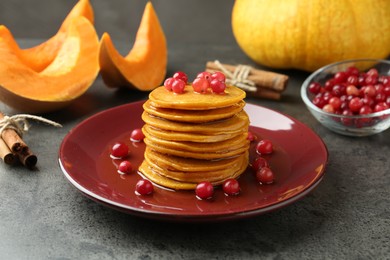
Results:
260 165
201 84
120 151
205 190
206 80
231 187
177 82
351 92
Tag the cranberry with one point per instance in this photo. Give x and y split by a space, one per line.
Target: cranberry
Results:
204 190
328 108
381 106
200 85
259 163
251 136
204 74
218 76
265 175
349 98
361 80
368 101
344 105
137 135
218 86
178 86
347 121
369 90
319 102
326 96
231 187
125 167
352 90
181 75
338 90
386 81
380 97
379 88
352 71
365 109
264 147
335 102
372 72
168 84
386 90
144 187
329 84
340 77
343 98
355 104
119 150
352 80
370 80
314 87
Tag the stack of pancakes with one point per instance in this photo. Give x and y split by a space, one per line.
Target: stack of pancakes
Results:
192 137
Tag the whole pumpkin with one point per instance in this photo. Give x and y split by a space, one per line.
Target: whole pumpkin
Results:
308 34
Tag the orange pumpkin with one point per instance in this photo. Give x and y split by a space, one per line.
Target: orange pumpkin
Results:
40 56
144 67
72 71
308 34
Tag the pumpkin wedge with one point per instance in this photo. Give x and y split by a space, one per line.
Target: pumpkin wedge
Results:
144 67
71 73
40 56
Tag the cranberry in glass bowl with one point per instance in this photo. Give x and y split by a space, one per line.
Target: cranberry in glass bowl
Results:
350 97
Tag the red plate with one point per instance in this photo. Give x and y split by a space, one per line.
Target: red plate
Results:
298 161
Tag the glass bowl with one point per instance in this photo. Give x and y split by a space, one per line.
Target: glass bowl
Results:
352 125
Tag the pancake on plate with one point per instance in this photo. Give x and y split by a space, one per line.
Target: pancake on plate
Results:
192 137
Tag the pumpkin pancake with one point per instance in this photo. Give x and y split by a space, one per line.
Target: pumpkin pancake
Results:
153 175
190 100
176 163
196 155
194 116
192 137
233 143
204 138
232 124
199 176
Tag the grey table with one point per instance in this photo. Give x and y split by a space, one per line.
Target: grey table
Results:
43 217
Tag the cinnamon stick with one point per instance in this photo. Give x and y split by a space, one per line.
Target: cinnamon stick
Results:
5 153
12 148
269 84
27 158
266 93
12 139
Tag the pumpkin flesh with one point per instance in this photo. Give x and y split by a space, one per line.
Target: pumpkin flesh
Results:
144 67
71 73
40 56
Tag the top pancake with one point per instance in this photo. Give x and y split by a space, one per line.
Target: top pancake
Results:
194 116
190 100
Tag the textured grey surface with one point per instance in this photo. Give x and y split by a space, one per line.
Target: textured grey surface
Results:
43 217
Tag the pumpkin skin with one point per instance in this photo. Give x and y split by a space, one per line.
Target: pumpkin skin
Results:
68 76
40 56
144 67
310 34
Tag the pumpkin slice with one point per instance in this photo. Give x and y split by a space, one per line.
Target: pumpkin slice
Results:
71 73
144 67
40 56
